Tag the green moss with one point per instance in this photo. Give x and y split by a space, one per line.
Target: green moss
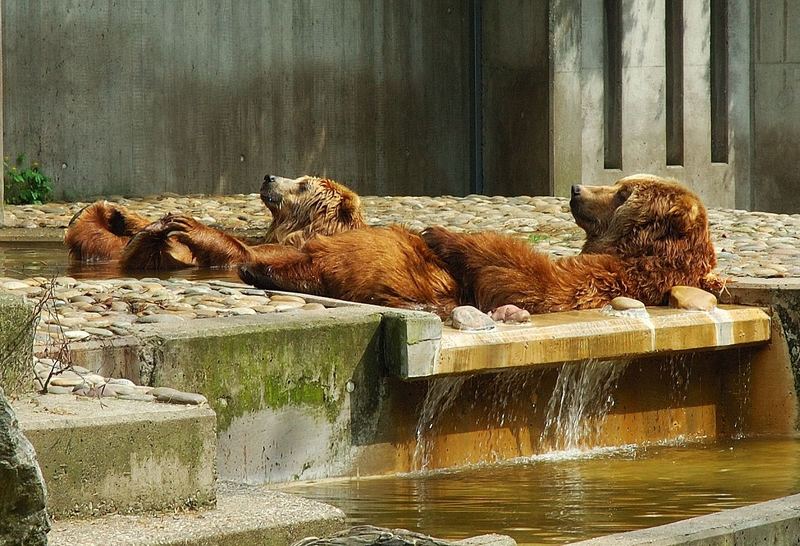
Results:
16 345
270 366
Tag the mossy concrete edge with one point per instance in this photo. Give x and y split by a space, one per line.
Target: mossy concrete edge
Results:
16 345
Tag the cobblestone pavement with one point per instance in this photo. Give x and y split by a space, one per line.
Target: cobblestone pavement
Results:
749 244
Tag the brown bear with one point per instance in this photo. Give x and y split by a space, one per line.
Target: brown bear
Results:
300 208
645 234
383 266
99 232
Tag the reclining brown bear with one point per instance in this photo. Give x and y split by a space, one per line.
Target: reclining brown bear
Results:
644 234
300 208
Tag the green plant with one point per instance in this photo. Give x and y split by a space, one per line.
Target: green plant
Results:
25 185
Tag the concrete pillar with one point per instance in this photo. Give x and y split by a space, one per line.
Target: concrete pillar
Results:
566 116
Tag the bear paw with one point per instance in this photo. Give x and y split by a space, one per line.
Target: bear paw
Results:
510 313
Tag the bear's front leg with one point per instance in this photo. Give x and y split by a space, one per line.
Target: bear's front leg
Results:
210 247
151 248
282 268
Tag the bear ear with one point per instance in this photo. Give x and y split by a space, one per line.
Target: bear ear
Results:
349 207
683 214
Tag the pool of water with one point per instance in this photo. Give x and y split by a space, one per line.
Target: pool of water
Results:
50 259
561 498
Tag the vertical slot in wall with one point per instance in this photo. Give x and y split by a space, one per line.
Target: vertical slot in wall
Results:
674 75
612 90
719 81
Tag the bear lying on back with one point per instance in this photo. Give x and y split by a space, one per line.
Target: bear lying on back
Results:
300 208
645 234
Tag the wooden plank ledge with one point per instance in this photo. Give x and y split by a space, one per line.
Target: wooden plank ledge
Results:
590 334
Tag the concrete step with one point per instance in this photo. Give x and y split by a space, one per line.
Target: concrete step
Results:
107 455
244 516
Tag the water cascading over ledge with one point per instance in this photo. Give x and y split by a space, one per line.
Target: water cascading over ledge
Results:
583 379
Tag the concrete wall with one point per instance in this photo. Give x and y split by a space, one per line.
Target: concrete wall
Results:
776 105
122 97
146 96
515 98
578 91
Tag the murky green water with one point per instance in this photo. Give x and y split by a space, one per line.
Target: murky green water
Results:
559 499
41 259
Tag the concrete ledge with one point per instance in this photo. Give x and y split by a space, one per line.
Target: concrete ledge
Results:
31 235
773 522
244 516
120 456
573 336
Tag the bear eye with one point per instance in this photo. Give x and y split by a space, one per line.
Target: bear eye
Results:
622 195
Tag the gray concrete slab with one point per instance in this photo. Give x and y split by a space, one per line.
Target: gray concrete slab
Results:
244 516
110 455
774 522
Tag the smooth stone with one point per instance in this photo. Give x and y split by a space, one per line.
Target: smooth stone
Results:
16 285
282 298
76 335
313 307
55 389
121 381
173 396
622 303
469 318
691 299
102 332
160 319
242 311
94 379
69 322
288 306
60 381
116 390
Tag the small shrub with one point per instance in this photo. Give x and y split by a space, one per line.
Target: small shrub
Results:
25 185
